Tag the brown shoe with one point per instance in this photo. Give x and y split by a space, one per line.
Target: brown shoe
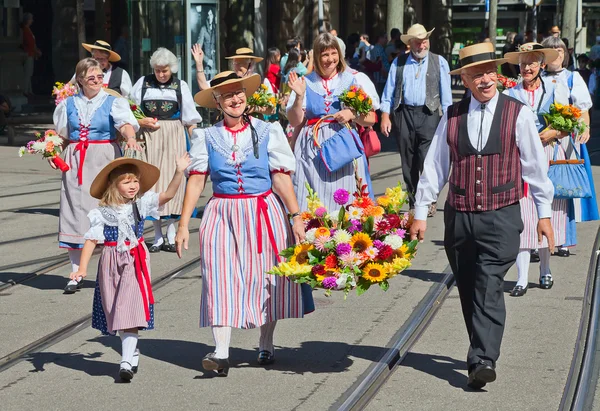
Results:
432 210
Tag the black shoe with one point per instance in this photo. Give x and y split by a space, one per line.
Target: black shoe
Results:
563 252
168 247
535 256
220 365
155 248
518 291
125 374
546 282
480 374
73 286
265 358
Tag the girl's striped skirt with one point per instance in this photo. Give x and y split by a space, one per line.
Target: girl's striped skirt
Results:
236 291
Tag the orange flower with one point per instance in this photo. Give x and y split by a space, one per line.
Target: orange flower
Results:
331 262
49 146
351 94
306 216
576 112
322 232
363 202
361 97
375 211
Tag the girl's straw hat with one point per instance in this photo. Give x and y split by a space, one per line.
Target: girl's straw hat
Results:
549 54
205 98
148 175
245 53
481 53
104 46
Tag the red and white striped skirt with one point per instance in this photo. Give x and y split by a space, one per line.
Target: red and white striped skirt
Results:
236 291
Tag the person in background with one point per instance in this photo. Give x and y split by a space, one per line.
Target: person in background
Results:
509 70
33 53
351 57
115 78
391 50
5 110
583 68
555 31
416 94
334 33
291 44
293 64
122 48
273 75
378 56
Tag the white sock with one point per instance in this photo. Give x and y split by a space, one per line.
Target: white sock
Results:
523 260
544 262
171 231
128 343
222 336
75 257
136 358
158 236
265 341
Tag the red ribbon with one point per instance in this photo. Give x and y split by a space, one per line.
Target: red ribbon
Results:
261 210
141 272
315 120
82 146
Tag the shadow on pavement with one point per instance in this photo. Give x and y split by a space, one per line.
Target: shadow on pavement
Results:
42 281
439 366
46 211
81 362
423 275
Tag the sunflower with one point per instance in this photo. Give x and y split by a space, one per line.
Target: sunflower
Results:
360 242
301 253
374 272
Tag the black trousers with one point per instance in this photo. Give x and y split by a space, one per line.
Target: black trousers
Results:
413 128
481 247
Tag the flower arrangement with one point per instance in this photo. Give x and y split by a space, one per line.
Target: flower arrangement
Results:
356 99
565 118
62 91
262 98
136 110
362 244
507 82
49 145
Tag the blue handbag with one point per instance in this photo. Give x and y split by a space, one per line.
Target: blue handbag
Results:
569 177
339 150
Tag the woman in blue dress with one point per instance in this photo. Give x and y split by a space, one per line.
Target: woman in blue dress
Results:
317 95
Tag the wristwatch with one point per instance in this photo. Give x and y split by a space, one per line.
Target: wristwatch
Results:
291 216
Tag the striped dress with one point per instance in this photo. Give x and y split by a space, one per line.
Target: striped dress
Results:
123 296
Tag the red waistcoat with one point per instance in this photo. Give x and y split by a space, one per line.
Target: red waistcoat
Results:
491 178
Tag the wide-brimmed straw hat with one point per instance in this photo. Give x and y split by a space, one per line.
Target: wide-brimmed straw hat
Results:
475 55
205 97
148 175
104 46
416 31
245 53
549 53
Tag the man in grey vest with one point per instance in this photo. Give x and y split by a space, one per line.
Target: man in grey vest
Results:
115 78
416 94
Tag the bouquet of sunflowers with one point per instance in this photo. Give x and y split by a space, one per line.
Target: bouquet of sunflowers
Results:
356 99
362 244
262 98
565 118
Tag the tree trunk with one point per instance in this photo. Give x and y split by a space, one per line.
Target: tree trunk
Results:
569 21
80 29
395 15
493 21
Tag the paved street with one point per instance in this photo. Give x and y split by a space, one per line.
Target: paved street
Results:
318 358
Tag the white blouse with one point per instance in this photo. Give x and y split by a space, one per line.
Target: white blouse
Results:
120 112
362 80
189 114
281 156
579 93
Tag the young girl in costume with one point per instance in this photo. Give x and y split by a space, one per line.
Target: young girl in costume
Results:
123 299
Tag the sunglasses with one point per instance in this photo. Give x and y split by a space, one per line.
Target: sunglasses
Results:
99 78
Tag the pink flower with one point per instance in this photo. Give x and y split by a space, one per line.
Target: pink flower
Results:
321 243
341 196
320 212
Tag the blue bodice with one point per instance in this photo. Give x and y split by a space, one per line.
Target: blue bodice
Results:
102 126
544 108
112 233
320 101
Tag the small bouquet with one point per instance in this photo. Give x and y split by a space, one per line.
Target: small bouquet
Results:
49 145
565 118
356 99
61 91
136 110
506 82
364 243
262 98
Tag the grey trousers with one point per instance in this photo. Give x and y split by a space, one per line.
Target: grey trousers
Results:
481 247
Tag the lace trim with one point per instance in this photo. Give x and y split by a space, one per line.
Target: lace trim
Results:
315 83
216 136
124 223
85 116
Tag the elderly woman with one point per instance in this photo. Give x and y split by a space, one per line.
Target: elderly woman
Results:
313 97
249 162
169 108
88 122
579 96
538 94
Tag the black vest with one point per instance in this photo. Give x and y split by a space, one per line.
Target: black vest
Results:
116 75
432 88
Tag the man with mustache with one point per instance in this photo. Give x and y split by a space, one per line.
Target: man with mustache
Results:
490 142
416 93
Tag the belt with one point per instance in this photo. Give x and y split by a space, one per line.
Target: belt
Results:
141 272
82 146
262 208
314 121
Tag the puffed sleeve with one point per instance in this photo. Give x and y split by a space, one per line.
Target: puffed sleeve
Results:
96 231
60 120
581 96
125 84
198 153
121 114
367 85
149 205
189 114
281 157
292 99
136 92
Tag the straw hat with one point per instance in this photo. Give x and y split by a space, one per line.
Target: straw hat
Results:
245 53
416 31
104 46
205 97
112 92
475 55
549 54
148 175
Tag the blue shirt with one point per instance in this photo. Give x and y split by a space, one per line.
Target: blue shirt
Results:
413 86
